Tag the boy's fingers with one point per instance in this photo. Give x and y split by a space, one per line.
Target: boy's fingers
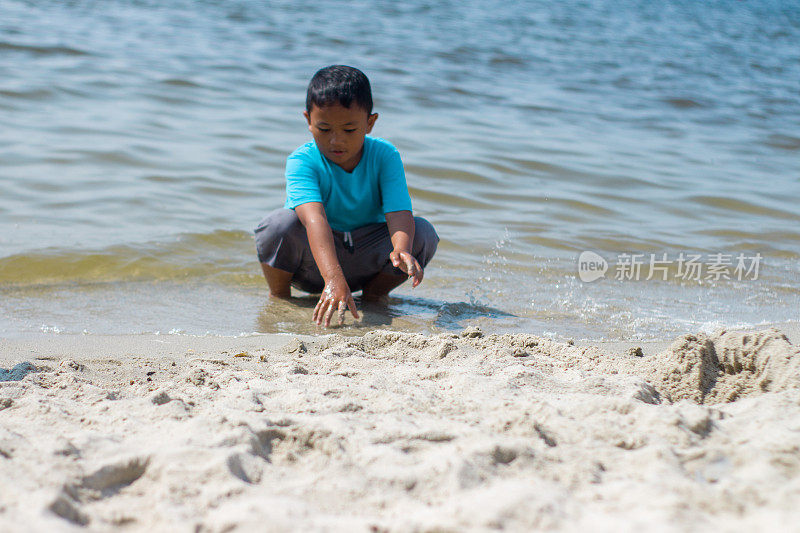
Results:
328 315
341 309
320 313
414 271
352 305
410 264
418 274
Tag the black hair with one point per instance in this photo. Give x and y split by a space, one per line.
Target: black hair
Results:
339 84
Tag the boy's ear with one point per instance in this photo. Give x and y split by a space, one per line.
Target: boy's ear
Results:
308 117
371 121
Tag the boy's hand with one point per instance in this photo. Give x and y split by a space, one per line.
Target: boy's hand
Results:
336 296
408 264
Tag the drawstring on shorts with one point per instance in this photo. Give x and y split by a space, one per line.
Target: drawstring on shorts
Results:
348 242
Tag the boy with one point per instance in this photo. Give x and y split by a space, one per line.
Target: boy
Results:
347 223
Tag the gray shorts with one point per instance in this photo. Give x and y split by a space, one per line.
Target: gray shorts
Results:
282 243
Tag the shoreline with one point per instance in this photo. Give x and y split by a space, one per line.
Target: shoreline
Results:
398 431
77 344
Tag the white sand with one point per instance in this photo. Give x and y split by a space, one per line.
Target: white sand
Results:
399 432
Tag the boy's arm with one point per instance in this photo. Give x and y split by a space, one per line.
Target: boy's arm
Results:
336 295
401 231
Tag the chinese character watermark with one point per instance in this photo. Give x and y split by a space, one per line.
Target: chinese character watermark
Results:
683 266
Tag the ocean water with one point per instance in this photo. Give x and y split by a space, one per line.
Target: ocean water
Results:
141 141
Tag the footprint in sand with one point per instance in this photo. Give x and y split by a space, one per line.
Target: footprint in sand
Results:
105 482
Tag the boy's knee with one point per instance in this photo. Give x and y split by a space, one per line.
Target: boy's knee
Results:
281 221
278 229
425 241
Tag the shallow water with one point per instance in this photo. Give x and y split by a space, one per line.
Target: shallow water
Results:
140 142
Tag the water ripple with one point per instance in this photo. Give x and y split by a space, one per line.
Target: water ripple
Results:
529 131
41 50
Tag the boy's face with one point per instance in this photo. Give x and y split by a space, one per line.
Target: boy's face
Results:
339 132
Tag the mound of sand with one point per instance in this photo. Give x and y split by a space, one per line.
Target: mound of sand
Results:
726 366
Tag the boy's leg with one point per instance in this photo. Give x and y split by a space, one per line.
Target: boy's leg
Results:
279 281
377 289
424 246
284 254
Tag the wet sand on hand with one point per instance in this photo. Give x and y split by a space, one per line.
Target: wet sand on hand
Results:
399 432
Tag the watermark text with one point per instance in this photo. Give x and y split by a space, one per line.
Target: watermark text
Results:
662 266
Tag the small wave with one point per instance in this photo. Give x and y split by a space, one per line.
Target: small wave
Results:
784 142
450 174
28 94
225 256
115 157
742 206
41 50
180 82
450 315
684 103
506 59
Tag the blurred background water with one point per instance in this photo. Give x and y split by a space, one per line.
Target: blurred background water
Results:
141 141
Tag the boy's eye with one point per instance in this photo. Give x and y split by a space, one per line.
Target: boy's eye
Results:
323 129
350 131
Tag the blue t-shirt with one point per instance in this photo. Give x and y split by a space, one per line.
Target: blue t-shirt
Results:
351 199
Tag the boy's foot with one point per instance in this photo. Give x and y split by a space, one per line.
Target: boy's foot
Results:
280 295
375 299
375 311
377 289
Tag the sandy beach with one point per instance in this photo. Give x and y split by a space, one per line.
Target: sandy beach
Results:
596 170
399 432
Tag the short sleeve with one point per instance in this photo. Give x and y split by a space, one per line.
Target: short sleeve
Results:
394 190
302 184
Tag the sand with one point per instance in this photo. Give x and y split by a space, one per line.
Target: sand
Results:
399 432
